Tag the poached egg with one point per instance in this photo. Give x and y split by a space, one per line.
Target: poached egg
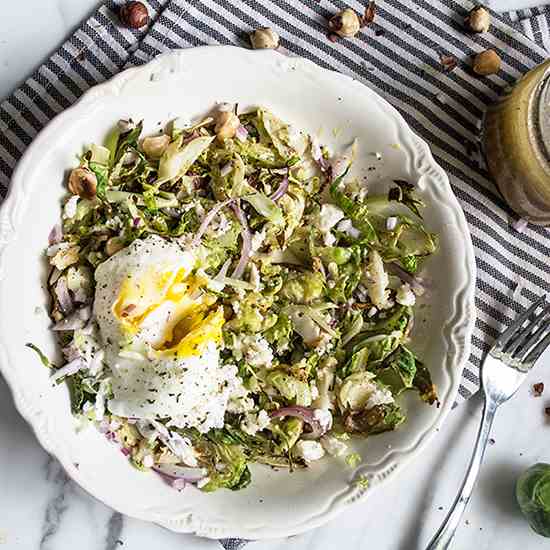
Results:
161 330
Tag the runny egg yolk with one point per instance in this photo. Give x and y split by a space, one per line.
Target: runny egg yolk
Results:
190 322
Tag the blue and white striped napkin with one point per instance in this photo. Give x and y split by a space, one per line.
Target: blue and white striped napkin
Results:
535 23
398 56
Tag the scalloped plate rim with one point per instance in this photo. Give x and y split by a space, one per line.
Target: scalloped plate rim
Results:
463 326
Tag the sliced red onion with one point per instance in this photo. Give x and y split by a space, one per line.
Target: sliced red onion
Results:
103 427
246 245
281 190
317 155
226 169
75 320
417 285
73 367
191 475
307 415
178 484
136 222
125 451
63 297
56 234
208 220
520 225
242 133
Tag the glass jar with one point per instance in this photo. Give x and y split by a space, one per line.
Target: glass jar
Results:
517 145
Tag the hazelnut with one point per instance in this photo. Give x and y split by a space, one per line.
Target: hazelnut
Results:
264 39
486 63
134 15
478 20
227 123
155 146
345 24
114 244
83 182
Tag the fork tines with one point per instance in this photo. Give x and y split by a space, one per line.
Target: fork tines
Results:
525 340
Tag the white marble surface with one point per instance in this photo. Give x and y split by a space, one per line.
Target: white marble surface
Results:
41 510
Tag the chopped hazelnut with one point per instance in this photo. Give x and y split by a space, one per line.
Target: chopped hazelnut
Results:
227 123
345 24
538 389
448 62
264 39
154 146
114 244
478 20
83 182
134 15
370 12
486 63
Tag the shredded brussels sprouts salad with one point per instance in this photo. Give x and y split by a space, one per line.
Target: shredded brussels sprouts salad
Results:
225 293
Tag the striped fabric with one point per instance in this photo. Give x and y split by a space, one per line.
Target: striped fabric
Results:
535 23
398 56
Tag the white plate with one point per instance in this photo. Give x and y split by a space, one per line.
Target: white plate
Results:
189 82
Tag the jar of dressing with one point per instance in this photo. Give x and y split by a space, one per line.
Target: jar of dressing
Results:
517 145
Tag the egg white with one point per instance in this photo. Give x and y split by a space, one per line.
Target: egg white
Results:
161 331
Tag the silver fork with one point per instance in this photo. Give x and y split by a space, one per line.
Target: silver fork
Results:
513 354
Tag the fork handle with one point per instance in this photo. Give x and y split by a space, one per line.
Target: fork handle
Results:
444 536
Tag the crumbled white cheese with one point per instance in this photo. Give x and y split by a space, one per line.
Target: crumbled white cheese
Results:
391 223
202 482
372 312
102 392
239 402
329 216
405 296
254 348
345 226
257 240
148 461
254 423
379 396
309 450
254 278
333 446
323 344
182 448
324 417
71 206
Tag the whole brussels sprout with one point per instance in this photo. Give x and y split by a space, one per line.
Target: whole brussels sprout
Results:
533 496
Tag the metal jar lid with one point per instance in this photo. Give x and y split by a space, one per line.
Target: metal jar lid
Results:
539 123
